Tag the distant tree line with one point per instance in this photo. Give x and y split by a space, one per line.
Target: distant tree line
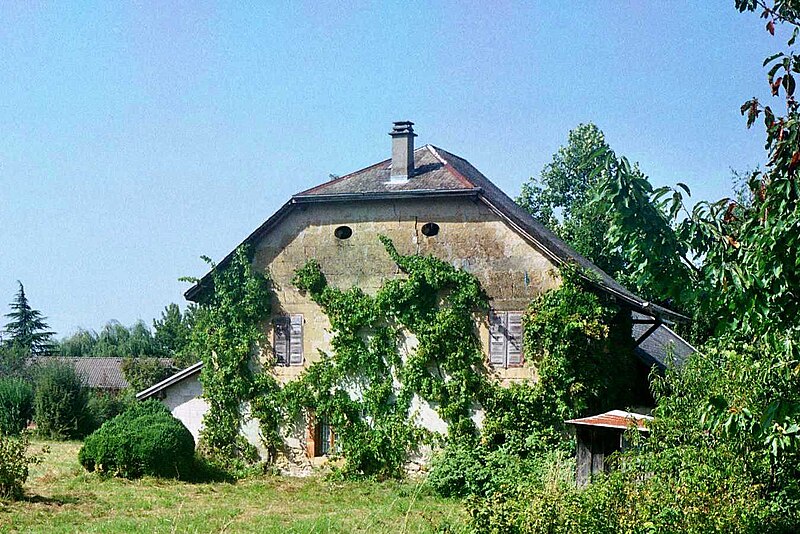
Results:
169 338
27 335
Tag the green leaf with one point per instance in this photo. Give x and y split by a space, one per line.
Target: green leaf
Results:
772 58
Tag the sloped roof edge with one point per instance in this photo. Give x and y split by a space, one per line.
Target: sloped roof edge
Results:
492 196
167 382
617 419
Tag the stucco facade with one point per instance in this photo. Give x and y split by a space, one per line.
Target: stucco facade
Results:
470 237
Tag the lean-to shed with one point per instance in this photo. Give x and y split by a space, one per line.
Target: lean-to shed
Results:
599 436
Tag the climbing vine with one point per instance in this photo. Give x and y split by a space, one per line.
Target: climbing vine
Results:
365 387
416 337
580 343
227 335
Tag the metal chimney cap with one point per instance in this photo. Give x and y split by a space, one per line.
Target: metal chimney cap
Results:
400 128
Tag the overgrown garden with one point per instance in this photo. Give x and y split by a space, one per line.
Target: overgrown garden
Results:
723 452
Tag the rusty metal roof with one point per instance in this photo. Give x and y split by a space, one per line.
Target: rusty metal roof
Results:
615 419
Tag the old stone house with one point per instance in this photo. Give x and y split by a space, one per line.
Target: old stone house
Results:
427 201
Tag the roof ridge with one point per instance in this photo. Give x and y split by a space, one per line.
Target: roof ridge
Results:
311 190
463 179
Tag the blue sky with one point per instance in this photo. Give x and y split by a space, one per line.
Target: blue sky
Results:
136 137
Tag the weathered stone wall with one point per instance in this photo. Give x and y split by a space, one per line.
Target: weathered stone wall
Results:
471 237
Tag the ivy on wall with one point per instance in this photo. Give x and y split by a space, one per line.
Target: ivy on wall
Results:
228 332
364 387
580 344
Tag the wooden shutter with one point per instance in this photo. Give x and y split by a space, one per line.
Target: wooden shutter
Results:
296 340
514 341
280 340
497 338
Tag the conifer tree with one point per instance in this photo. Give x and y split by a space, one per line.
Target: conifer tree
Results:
27 328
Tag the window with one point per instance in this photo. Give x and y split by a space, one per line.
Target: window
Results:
505 338
430 229
343 232
287 341
320 437
323 437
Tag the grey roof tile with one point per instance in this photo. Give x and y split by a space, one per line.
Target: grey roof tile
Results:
97 372
663 347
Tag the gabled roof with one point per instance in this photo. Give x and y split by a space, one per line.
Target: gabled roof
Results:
438 173
615 419
96 372
167 382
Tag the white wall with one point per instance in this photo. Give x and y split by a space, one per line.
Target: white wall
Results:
184 400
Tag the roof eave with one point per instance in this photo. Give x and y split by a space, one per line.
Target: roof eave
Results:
615 427
174 379
193 293
637 305
383 195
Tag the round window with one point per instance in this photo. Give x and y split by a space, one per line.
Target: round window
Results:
343 232
430 229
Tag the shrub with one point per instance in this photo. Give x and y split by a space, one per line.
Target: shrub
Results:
465 469
144 440
60 402
14 463
141 373
105 406
686 489
16 405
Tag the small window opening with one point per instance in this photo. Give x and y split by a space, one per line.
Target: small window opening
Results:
323 437
430 229
343 232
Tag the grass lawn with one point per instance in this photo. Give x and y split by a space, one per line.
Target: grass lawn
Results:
62 497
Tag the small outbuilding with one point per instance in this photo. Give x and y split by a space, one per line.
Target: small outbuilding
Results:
599 436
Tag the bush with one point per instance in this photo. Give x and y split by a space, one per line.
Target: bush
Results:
681 489
14 463
60 402
694 500
464 469
106 406
16 405
144 440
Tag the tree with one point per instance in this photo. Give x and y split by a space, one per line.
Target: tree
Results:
559 198
141 373
60 402
114 340
27 328
173 332
732 261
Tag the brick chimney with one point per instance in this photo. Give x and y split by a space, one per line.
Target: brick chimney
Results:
402 152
